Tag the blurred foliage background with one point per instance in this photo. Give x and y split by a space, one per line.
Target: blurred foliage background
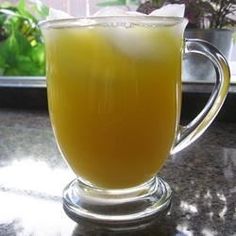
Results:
21 42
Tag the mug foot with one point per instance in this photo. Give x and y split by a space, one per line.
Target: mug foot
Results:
82 201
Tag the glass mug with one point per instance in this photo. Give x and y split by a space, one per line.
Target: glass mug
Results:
114 91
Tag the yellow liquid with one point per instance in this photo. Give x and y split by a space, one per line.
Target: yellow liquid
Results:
114 99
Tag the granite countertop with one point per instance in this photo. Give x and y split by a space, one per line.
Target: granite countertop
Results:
33 174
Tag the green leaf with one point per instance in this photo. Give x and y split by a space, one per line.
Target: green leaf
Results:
8 50
37 54
21 45
2 71
21 5
41 9
2 64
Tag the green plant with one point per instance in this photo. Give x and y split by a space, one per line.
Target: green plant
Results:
21 43
209 14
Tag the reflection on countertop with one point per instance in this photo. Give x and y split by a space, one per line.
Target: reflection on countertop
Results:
33 174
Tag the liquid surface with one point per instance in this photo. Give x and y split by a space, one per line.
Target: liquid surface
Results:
114 95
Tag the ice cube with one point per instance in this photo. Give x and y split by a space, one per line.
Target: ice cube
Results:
116 11
57 14
111 11
137 41
173 10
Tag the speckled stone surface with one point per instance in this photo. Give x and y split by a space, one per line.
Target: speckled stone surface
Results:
33 174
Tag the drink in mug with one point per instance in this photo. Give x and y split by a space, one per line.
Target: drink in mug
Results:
113 93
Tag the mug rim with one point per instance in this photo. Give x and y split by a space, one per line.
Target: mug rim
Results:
145 20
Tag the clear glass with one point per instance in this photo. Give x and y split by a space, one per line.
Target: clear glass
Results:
114 91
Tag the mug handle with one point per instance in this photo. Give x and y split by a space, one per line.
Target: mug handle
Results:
189 133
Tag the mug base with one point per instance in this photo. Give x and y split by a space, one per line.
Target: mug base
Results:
82 201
